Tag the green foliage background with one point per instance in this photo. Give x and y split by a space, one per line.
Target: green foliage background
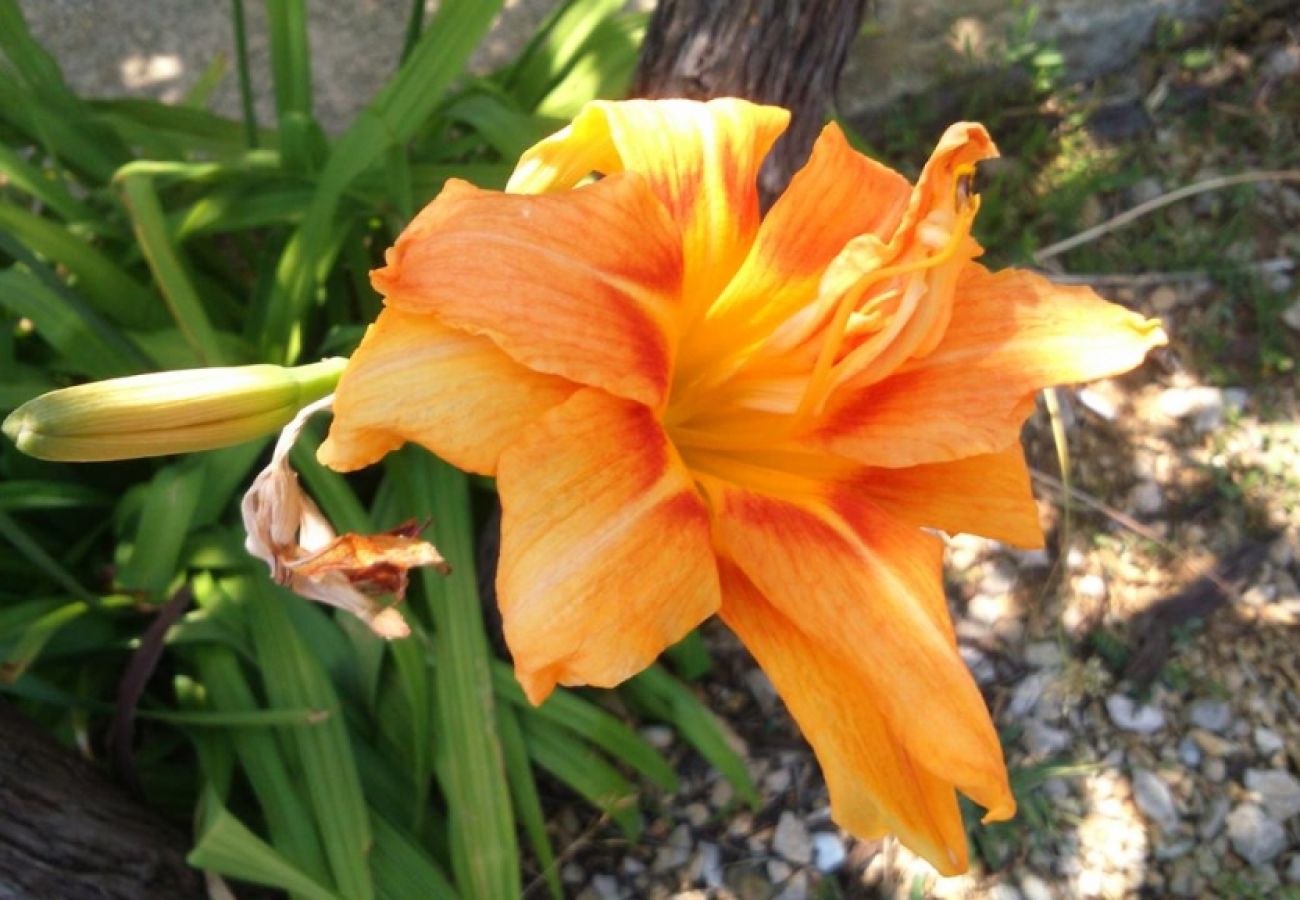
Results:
136 236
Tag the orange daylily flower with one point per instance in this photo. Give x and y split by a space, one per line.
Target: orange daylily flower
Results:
693 409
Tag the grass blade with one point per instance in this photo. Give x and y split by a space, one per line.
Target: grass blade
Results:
578 766
527 803
485 856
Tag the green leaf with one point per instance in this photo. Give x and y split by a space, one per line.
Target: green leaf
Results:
89 344
393 117
568 710
111 291
28 495
293 677
484 851
169 269
288 818
663 696
527 803
165 520
403 869
228 847
582 769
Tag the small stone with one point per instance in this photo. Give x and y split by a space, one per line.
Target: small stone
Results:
1004 892
1175 849
1189 754
1148 499
1099 403
631 866
1293 870
697 814
1044 654
981 667
1163 299
828 851
1212 715
1128 716
658 736
1154 798
1282 62
778 871
1212 744
1091 586
1278 790
710 865
777 781
1215 770
721 794
796 888
763 690
1185 881
1255 837
1267 741
572 873
791 839
1027 694
1034 888
1043 740
607 887
1213 818
1291 316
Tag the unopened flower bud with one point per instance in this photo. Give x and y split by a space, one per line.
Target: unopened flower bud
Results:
167 412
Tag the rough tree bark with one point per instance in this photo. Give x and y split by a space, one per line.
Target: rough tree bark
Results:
785 52
67 832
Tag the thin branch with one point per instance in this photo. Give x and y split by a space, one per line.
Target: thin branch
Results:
1124 520
1191 276
1150 206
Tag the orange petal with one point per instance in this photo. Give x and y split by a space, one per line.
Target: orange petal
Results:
605 548
701 160
868 589
876 786
987 495
415 379
806 228
584 285
1012 333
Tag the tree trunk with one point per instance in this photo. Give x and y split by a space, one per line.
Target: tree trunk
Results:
67 832
785 53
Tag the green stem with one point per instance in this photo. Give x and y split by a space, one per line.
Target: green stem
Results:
245 78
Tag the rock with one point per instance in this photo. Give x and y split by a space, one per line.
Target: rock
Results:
1255 837
1148 499
981 667
1185 881
658 736
1267 741
1279 791
1293 869
1027 694
1282 62
1291 316
1163 299
1140 192
1043 740
1175 849
828 851
1212 715
796 888
778 871
777 781
791 839
1044 654
1034 888
1215 770
1091 586
1128 716
1097 402
710 865
763 690
1213 818
572 873
1189 754
676 852
607 887
1212 744
1004 892
1208 405
697 814
1154 798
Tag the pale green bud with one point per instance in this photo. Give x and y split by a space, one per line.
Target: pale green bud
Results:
167 412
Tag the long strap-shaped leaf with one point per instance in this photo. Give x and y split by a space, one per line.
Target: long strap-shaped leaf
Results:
392 118
484 850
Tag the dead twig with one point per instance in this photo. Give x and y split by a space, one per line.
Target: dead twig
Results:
1148 279
1150 206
